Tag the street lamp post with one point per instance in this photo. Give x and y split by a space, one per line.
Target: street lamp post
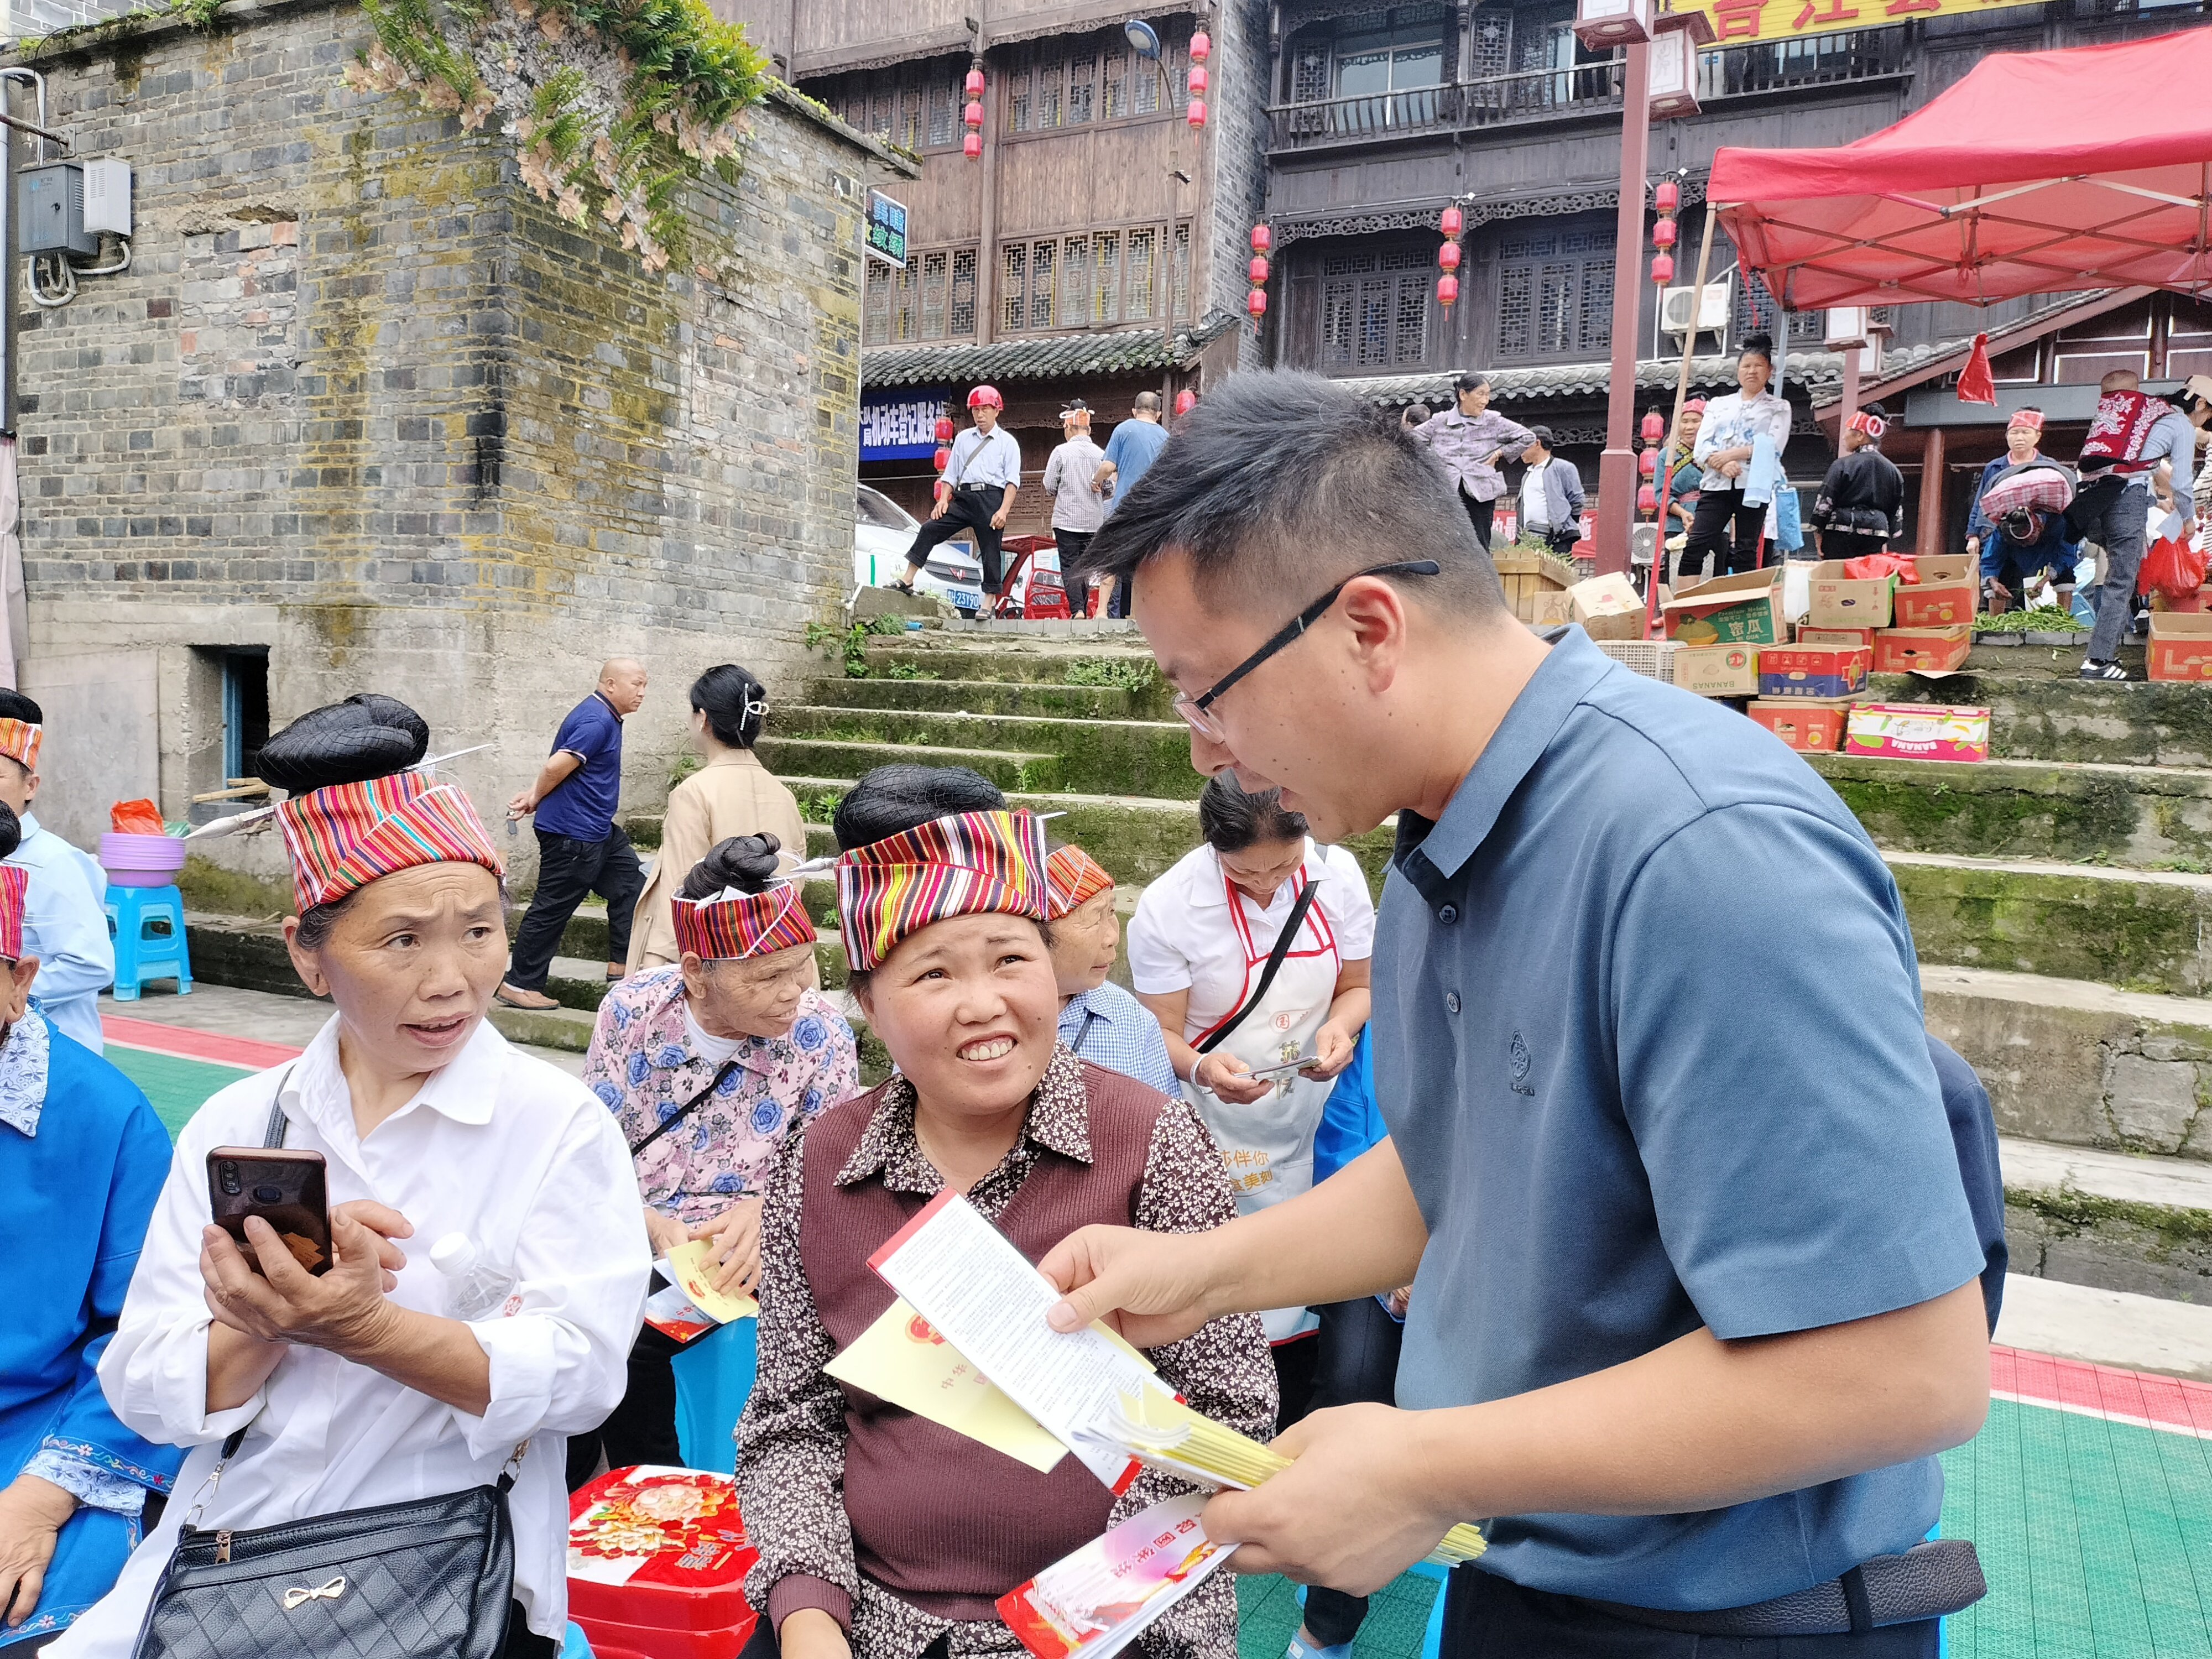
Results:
1145 40
1616 467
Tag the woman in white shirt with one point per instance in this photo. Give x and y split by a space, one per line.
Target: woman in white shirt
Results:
1728 526
354 1388
1198 948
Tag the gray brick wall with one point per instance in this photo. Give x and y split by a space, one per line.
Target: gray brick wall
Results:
362 400
1236 109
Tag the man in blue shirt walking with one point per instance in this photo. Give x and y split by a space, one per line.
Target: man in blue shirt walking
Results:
1130 451
580 848
1697 1291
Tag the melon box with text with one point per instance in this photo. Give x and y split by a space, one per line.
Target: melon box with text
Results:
1745 609
1917 730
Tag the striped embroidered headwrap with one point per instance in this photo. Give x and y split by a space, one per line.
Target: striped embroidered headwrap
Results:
969 864
1075 878
14 878
343 836
734 924
19 740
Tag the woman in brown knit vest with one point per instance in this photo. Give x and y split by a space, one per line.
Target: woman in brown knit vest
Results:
882 1534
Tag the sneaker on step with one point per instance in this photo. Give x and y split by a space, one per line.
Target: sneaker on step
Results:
2093 670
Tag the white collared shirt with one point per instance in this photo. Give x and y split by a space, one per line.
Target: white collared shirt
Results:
507 1149
1182 936
65 928
977 460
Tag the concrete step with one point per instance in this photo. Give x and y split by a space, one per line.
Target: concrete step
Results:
974 696
2078 1064
1106 659
2139 930
2147 816
2114 1221
2107 1327
2051 661
2047 717
849 756
1095 756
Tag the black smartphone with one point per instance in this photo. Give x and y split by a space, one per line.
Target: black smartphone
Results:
285 1189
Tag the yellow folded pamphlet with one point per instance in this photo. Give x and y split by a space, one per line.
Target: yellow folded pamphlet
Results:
902 1359
693 1269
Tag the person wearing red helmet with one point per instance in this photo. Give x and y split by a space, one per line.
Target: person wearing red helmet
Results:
975 495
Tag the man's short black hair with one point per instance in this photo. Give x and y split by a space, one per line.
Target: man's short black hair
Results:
1148 401
1280 482
1542 434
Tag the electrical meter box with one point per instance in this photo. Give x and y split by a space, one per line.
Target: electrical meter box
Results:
107 197
50 210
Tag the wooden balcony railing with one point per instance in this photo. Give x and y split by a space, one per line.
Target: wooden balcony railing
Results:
1811 60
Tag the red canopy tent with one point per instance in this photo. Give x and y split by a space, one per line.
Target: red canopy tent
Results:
2039 172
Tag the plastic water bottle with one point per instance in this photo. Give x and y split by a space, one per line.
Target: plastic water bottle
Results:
473 1290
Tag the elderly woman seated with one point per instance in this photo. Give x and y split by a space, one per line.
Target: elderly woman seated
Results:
884 1535
380 1380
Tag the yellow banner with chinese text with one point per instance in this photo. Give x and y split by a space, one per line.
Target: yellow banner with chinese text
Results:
1742 22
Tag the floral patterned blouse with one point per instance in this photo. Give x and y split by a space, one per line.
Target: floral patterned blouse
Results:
642 1064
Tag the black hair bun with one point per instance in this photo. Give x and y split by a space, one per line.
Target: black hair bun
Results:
898 797
366 736
1757 345
748 863
15 706
11 831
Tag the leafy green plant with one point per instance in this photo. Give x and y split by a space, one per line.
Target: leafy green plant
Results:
2044 619
852 642
615 104
819 807
907 671
686 764
1118 673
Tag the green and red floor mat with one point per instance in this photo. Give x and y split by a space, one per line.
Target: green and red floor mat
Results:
2088 1492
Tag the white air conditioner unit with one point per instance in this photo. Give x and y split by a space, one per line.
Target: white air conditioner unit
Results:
1713 315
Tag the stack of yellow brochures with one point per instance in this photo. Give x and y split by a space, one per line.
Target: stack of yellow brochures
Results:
1161 1430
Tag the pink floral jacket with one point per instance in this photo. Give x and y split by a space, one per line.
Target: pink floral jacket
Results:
642 1064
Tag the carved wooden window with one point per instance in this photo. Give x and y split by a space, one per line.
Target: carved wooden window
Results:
1106 274
935 278
944 114
1137 295
1018 100
1041 284
1051 82
1075 290
1309 73
1490 44
1180 294
875 306
1013 298
1145 88
1375 309
2188 339
1554 295
1114 93
882 111
962 320
1082 87
910 121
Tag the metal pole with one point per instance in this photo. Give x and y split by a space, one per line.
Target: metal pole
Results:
1616 467
9 280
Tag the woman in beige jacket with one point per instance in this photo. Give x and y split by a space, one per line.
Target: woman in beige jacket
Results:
733 794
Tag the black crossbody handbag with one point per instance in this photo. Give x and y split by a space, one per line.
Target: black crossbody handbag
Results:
432 1579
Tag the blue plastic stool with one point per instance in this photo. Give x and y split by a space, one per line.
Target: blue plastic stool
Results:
713 1380
148 927
575 1645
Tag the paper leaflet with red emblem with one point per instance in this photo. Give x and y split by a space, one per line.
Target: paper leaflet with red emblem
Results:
655 1527
1095 1601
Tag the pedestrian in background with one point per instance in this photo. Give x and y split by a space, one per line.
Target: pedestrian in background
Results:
976 494
733 794
1470 440
1099 1021
1861 506
1133 445
2131 435
65 902
580 848
2010 561
1750 424
1077 508
1551 495
1678 473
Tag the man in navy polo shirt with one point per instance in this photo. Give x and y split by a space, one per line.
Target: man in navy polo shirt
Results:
580 848
1696 1294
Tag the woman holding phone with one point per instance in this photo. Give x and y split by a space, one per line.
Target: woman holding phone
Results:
355 1387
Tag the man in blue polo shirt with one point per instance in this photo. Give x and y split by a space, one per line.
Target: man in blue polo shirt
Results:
1696 1294
580 848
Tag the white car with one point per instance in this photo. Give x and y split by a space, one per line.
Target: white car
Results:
882 533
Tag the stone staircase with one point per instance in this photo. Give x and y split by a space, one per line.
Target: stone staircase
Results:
2059 893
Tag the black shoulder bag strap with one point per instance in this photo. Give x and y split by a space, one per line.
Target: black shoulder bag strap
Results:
1221 1033
684 1110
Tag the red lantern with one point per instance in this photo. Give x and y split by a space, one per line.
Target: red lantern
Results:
1663 233
1662 267
945 428
1451 221
943 458
974 85
1262 239
1256 303
973 115
1196 115
1647 463
972 146
1186 400
1201 47
1668 197
1654 426
1447 256
1447 288
1257 271
1197 81
1647 498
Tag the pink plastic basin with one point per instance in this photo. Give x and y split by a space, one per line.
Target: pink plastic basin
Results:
141 860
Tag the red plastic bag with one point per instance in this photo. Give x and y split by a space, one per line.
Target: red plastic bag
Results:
2173 566
135 817
1877 565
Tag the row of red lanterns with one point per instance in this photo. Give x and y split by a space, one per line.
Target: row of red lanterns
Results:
1667 198
972 145
1452 223
1201 48
1647 460
1255 302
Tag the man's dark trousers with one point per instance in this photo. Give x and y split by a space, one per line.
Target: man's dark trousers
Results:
568 869
971 509
1486 1616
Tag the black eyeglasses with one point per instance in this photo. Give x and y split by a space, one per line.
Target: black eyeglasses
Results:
1196 710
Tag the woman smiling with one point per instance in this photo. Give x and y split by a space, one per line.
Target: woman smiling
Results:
358 1388
882 1534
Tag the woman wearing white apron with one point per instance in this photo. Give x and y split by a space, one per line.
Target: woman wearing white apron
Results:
1199 948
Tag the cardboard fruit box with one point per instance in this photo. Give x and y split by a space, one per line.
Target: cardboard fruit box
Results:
2180 645
1948 593
1745 609
1916 731
1717 670
1814 671
1842 601
1810 635
1810 725
1608 607
1922 650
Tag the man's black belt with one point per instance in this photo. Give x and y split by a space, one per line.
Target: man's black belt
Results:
979 487
1929 1581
